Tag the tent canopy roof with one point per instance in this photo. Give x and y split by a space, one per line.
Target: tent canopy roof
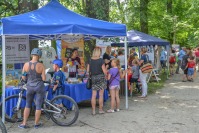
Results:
55 19
136 38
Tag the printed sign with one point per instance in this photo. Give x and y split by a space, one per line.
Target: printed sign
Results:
150 53
69 43
17 49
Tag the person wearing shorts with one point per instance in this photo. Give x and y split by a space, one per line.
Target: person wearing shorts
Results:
135 76
191 66
114 85
34 73
58 80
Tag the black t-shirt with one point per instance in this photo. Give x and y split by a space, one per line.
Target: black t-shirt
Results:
184 62
96 66
106 56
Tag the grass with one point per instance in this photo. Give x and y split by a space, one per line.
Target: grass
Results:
154 86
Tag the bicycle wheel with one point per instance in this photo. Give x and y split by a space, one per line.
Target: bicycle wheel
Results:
11 113
68 113
2 127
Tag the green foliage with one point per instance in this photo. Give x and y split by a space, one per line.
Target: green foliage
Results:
177 24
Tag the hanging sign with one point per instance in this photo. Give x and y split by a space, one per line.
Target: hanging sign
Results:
17 49
150 53
68 43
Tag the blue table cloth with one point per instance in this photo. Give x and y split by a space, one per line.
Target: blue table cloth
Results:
78 92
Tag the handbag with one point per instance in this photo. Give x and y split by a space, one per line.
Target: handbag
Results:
89 81
146 67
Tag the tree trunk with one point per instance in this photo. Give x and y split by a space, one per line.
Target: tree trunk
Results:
26 6
98 9
121 11
144 15
170 12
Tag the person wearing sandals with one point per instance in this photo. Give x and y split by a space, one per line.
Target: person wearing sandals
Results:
98 73
34 74
144 59
114 85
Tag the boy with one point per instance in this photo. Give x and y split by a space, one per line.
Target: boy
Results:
191 66
58 79
135 76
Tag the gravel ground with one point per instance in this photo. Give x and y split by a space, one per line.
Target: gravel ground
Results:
173 109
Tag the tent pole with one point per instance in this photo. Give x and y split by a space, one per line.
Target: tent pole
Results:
168 53
3 78
126 77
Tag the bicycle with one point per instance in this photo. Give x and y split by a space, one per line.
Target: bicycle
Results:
2 127
68 111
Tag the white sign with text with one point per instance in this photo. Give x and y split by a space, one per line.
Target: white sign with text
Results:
17 49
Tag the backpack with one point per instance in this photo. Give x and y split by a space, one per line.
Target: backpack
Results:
184 62
172 59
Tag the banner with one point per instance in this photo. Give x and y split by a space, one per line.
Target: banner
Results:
17 49
70 42
150 53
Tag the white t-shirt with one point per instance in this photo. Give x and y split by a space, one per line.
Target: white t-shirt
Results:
122 60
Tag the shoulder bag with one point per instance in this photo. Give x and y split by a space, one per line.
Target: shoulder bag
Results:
110 81
146 67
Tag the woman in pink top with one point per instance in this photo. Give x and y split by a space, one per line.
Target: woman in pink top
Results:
197 57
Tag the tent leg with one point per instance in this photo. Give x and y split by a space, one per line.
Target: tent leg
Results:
168 53
126 77
3 78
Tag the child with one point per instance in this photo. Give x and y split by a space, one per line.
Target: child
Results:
130 60
172 61
114 84
58 80
191 66
135 76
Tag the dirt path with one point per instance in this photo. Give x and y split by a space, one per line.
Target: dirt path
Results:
173 109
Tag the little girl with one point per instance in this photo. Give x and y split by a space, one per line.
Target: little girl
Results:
114 84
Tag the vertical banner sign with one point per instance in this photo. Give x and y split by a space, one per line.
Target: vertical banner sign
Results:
70 42
150 53
17 49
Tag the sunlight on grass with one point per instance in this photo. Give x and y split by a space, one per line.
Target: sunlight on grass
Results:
154 86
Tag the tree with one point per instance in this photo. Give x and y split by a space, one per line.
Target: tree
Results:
144 15
102 12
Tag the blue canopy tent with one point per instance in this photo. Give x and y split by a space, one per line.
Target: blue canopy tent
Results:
55 19
51 22
136 38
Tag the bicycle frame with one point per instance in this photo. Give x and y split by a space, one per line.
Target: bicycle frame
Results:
46 102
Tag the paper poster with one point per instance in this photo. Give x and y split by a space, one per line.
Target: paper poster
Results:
70 42
150 53
17 49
